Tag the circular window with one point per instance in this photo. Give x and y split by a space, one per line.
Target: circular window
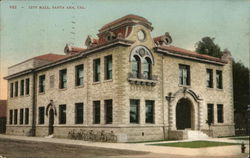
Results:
141 35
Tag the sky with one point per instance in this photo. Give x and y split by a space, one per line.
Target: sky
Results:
32 28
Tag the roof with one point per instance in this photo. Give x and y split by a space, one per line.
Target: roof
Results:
190 53
127 17
50 57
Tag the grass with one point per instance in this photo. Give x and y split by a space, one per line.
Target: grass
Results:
196 144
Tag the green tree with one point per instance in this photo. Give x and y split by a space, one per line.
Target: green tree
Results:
208 47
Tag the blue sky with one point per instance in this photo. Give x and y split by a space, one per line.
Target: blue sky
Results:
26 32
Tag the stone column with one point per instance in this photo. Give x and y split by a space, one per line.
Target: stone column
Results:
200 115
171 118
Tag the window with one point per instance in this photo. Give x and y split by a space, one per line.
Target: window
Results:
134 111
11 117
210 113
11 90
96 70
136 66
108 111
21 117
15 116
16 88
22 88
147 68
220 113
184 75
52 81
63 78
209 78
26 116
41 115
96 112
62 114
27 86
79 75
79 113
108 67
42 84
219 79
149 111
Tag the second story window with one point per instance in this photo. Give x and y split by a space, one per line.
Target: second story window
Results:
41 83
219 79
147 68
79 75
108 67
16 88
209 78
96 70
27 84
22 88
136 66
184 75
63 79
11 90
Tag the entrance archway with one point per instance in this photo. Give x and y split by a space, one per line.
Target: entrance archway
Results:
184 114
51 121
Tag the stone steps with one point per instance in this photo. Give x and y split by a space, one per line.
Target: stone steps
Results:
196 135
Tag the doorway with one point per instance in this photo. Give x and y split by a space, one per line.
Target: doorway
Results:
51 121
184 111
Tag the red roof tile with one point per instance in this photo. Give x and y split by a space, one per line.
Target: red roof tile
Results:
190 53
50 57
127 17
76 49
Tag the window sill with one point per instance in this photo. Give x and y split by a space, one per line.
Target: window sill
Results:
80 86
98 82
41 93
219 89
110 80
187 86
62 89
209 88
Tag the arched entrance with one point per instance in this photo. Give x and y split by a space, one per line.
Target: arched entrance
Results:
51 121
184 114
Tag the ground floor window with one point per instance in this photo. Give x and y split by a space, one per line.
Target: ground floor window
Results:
26 116
134 111
15 116
96 112
108 111
62 114
11 117
220 113
21 117
210 113
149 111
41 115
79 113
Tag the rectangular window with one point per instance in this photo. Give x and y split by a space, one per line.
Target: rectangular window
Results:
11 117
108 111
11 90
220 116
21 117
27 86
184 75
62 114
63 78
16 88
22 88
51 81
41 115
134 111
15 116
149 111
96 112
79 75
26 116
108 67
219 79
41 83
96 70
210 113
209 78
79 113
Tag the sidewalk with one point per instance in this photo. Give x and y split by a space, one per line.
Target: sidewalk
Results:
211 151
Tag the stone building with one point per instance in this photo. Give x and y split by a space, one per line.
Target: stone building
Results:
125 81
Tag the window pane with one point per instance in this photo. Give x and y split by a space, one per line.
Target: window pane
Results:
11 117
96 70
41 115
108 111
79 113
11 90
15 116
21 117
79 75
16 88
27 84
184 75
108 67
42 83
149 111
62 114
26 115
22 88
63 78
220 113
210 113
96 112
134 111
219 79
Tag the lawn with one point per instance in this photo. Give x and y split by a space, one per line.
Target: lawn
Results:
152 141
196 144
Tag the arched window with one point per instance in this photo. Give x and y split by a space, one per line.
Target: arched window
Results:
136 62
147 65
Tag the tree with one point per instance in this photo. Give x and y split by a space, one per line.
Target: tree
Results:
208 47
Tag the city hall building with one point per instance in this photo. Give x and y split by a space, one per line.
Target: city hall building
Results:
126 82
